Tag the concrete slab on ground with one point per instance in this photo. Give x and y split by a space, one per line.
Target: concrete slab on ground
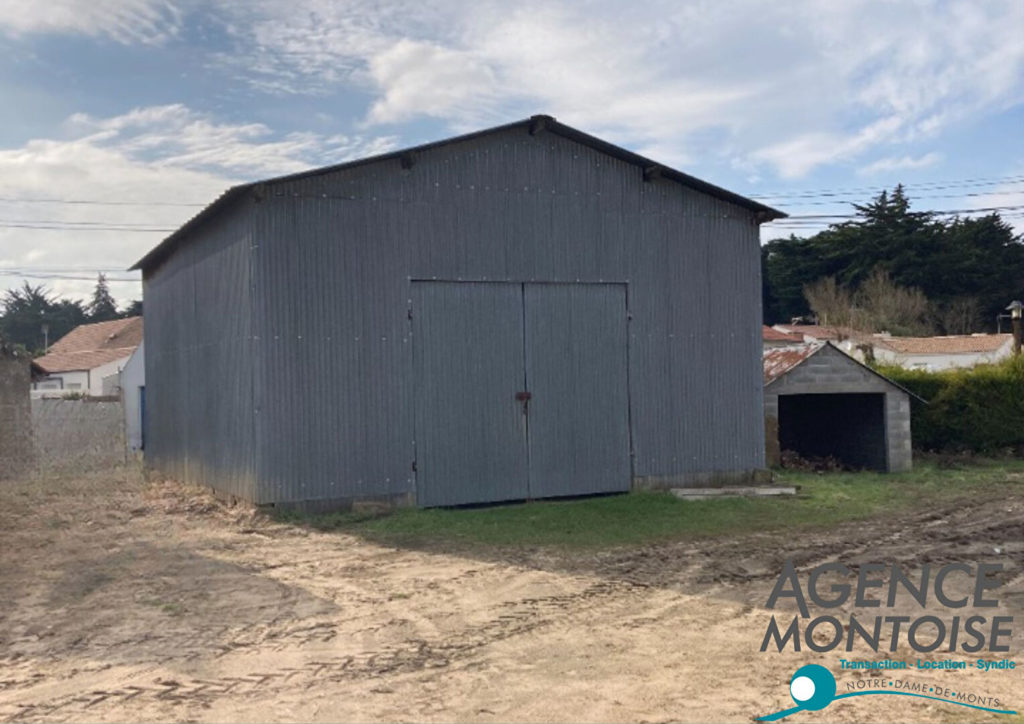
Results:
704 493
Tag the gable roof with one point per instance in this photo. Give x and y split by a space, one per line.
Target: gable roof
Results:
114 334
951 344
88 346
534 124
777 361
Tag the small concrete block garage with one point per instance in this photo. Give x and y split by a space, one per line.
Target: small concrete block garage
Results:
819 402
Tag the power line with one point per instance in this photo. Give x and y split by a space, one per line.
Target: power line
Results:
63 277
945 212
91 268
55 227
826 222
95 202
927 185
118 269
852 200
142 226
86 222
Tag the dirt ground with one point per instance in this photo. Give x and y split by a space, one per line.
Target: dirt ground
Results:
127 601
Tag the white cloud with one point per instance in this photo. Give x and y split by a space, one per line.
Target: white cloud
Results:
900 163
151 156
800 155
126 21
311 46
175 136
788 86
420 78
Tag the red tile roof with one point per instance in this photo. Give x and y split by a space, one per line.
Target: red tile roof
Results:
91 345
101 335
952 344
822 332
72 361
773 335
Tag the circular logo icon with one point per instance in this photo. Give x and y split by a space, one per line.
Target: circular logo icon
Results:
812 687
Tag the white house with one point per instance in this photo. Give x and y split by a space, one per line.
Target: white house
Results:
78 362
132 381
927 353
854 342
941 353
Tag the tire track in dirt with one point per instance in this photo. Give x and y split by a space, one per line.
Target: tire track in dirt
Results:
929 536
413 655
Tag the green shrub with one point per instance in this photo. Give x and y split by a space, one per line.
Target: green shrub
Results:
968 410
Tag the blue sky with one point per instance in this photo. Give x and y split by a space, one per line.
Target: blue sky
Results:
156 106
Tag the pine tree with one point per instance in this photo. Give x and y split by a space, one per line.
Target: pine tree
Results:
26 311
968 269
102 308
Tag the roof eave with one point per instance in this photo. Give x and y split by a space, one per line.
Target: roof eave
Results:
164 247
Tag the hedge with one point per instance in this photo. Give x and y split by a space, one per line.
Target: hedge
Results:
977 410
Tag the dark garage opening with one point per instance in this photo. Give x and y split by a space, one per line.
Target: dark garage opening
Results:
848 427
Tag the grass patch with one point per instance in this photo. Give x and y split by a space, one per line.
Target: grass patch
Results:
636 518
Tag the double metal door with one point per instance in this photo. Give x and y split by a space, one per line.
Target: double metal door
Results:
521 390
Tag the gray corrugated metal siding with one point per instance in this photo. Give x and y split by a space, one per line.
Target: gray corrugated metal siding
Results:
198 361
329 347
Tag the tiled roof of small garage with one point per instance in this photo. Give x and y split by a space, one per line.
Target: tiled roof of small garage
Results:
778 361
533 124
